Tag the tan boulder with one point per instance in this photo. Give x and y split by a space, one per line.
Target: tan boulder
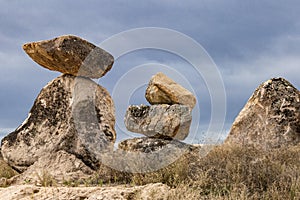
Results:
270 118
70 55
163 90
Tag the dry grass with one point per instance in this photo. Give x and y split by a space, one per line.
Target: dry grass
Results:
6 172
233 172
227 172
251 172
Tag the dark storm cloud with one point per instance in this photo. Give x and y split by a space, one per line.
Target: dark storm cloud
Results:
249 41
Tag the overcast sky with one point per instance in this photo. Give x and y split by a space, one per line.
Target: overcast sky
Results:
250 42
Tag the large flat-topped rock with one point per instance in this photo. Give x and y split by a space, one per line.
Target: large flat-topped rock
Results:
163 90
70 55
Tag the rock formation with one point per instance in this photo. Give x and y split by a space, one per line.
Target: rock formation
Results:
170 116
163 90
270 118
71 123
159 120
70 114
164 124
70 55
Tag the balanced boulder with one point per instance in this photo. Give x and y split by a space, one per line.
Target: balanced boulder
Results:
70 55
71 114
163 90
271 117
159 120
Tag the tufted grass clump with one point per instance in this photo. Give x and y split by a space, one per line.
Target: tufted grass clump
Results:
239 172
6 172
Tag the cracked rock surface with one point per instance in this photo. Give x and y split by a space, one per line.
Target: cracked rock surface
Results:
159 120
72 115
270 118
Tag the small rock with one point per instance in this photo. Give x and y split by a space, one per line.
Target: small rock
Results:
71 113
270 118
148 154
70 55
159 120
163 90
150 144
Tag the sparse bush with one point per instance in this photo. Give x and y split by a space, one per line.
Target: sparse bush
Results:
46 179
